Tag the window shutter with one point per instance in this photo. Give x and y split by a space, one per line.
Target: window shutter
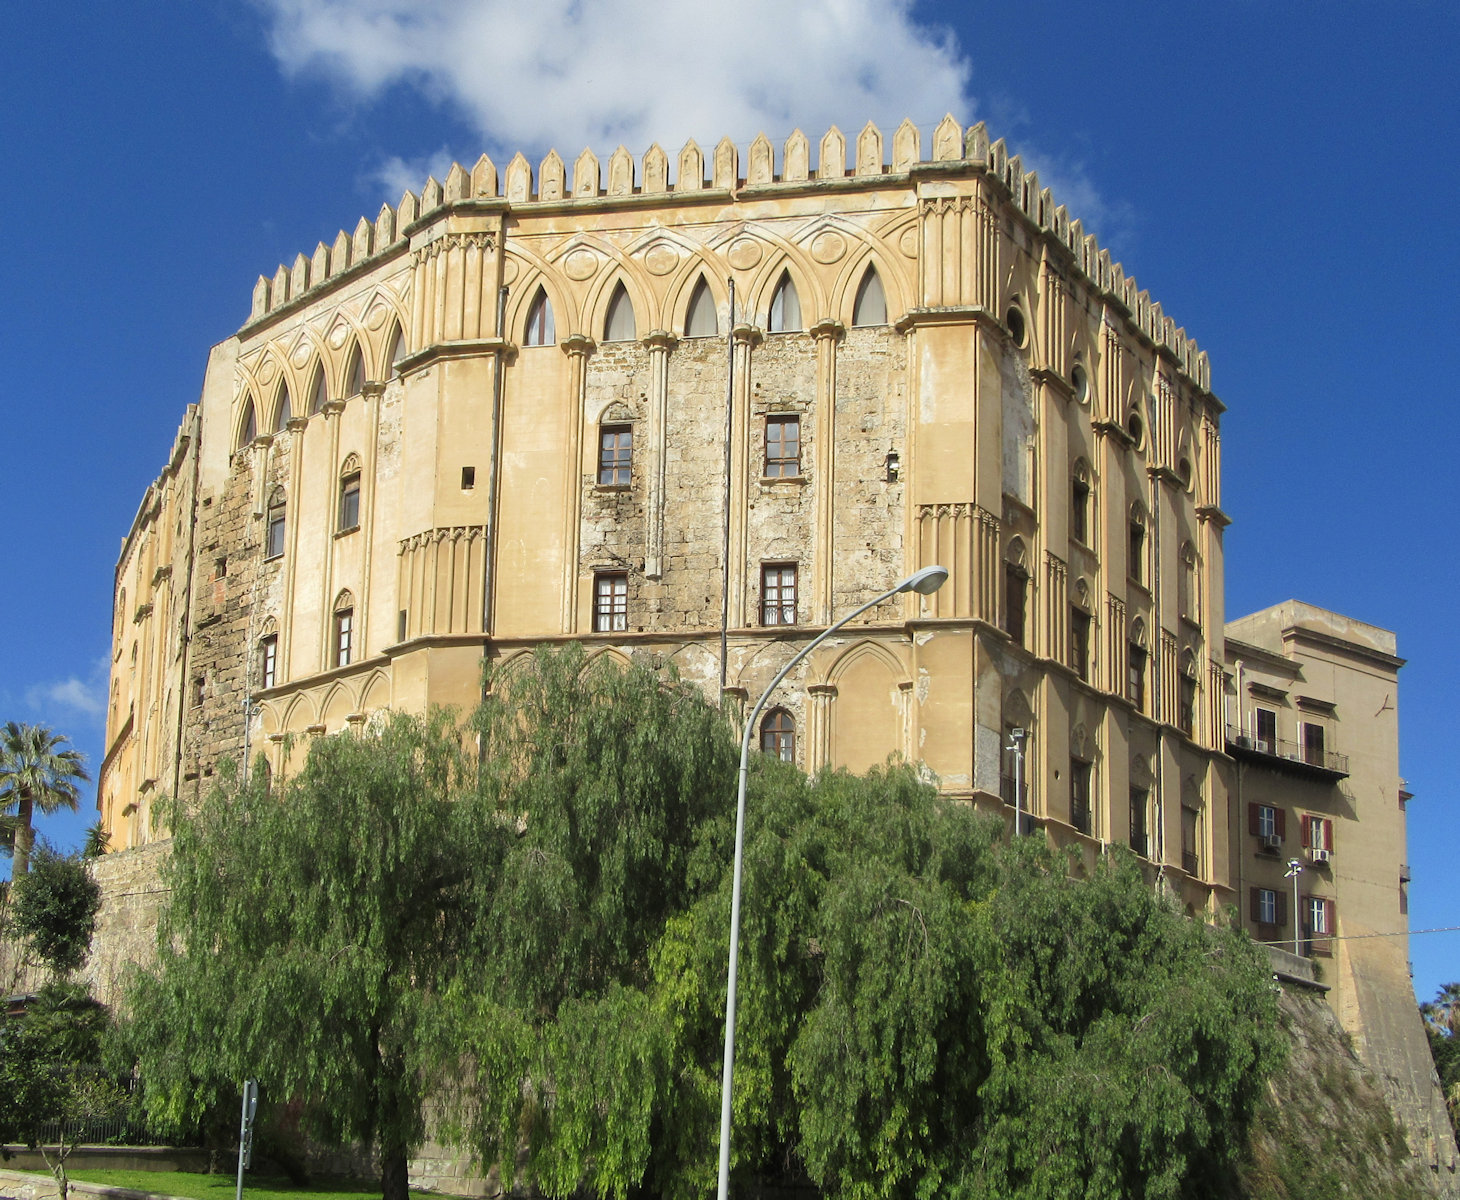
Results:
1327 832
1252 818
1280 909
1253 900
1307 830
1282 822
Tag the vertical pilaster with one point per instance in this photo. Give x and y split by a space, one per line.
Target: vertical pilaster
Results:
818 717
742 471
293 512
578 349
828 334
659 344
371 395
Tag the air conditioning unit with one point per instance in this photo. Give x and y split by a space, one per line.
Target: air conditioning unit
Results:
1271 841
1318 854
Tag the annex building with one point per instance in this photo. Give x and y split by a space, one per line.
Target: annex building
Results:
718 401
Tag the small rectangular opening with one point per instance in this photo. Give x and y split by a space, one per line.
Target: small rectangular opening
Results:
468 478
400 626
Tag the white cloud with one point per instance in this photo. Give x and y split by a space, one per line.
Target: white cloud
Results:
87 697
569 74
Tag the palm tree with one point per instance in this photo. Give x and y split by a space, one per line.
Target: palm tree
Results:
35 773
1442 1014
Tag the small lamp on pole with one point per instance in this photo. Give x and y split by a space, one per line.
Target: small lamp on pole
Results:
924 582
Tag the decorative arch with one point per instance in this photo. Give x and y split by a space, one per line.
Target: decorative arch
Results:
616 657
1137 636
1083 595
536 273
351 465
869 304
854 653
343 600
319 390
1016 554
248 424
783 313
395 348
599 289
339 703
620 321
701 318
539 329
1018 711
354 380
283 410
375 693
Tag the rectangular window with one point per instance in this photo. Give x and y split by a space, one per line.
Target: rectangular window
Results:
1080 642
1140 805
1267 823
1190 857
782 446
349 503
611 603
1016 588
615 455
1136 677
1265 903
1080 795
268 661
1186 705
1136 553
1080 512
468 478
1266 730
274 538
1317 833
400 626
778 594
344 636
1318 926
1313 749
198 691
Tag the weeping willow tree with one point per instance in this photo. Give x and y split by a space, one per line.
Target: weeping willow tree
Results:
531 935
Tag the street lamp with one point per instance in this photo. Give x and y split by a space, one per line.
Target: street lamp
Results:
924 582
1295 868
1016 744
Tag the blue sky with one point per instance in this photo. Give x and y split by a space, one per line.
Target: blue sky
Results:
1282 178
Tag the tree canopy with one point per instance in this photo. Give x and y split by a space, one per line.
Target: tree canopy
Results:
534 932
35 773
54 908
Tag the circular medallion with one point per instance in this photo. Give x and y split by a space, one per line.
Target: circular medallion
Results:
908 244
267 371
375 318
661 259
581 265
302 353
338 335
744 254
828 247
510 269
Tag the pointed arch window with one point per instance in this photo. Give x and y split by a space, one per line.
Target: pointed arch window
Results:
319 392
349 514
620 325
395 349
1136 545
274 527
355 372
701 320
342 646
1136 659
871 305
283 410
785 310
1189 598
1016 591
778 735
250 427
1080 524
268 660
541 330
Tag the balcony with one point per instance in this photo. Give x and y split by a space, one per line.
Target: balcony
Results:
1286 755
1190 863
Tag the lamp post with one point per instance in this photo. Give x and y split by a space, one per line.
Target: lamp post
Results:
1016 744
1295 868
924 582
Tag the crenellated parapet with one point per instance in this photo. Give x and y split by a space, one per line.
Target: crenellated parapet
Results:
875 161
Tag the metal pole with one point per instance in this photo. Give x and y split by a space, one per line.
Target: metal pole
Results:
1016 737
245 1129
928 580
1295 868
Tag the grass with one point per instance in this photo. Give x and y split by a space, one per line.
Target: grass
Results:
221 1187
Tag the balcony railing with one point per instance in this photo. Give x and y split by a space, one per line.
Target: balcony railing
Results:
1282 750
1190 864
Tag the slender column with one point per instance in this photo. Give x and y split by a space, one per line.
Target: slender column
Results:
371 396
818 720
578 349
823 559
659 344
743 471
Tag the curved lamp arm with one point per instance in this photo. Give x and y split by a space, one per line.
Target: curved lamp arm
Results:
924 582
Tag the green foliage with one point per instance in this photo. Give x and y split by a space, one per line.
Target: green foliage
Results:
54 908
1442 1025
98 839
312 925
538 936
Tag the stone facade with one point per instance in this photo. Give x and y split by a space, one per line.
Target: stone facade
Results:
599 405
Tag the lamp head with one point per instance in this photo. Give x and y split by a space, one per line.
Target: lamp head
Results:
925 582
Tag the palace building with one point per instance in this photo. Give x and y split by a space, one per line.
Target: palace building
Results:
703 408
